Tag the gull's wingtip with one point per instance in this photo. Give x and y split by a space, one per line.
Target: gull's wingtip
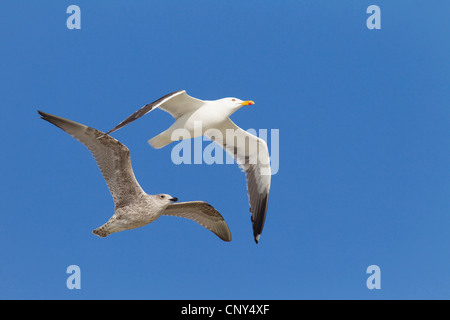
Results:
45 116
227 235
42 114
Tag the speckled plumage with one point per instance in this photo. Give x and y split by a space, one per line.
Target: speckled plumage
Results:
133 207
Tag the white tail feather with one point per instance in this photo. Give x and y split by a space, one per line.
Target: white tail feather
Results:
161 140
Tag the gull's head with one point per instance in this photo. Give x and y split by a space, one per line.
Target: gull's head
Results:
165 199
234 104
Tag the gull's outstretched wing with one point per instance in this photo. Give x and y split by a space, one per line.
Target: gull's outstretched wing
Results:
202 213
176 104
252 155
112 157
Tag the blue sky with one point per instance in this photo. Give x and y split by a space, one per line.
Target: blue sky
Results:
363 117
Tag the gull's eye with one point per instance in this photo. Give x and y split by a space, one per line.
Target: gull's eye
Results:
162 197
233 99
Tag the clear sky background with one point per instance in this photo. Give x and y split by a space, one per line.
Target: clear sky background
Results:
364 123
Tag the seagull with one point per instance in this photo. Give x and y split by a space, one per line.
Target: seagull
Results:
133 207
214 115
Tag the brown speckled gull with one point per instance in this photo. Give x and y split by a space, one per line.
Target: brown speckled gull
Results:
133 207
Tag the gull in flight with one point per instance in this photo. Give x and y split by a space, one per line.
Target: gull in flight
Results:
216 125
133 207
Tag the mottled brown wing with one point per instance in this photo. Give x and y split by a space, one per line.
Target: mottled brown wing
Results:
112 157
202 213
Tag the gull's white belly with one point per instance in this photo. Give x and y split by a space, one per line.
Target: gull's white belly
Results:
198 122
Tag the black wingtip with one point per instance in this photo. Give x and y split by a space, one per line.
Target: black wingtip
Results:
42 114
109 132
258 217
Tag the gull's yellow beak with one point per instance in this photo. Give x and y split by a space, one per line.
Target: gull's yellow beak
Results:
247 103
